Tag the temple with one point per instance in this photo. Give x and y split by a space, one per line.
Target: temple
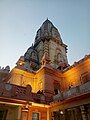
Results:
42 85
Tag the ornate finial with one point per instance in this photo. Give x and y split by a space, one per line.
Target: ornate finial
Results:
47 18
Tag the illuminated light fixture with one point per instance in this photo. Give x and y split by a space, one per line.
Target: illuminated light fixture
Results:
20 63
61 112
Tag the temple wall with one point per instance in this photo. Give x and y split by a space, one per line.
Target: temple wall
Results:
74 76
39 49
55 49
22 78
41 111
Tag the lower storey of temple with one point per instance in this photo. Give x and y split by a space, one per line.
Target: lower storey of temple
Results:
76 113
43 112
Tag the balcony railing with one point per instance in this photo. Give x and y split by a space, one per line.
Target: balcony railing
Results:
74 91
22 93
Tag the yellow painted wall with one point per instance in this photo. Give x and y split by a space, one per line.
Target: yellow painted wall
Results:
73 75
44 78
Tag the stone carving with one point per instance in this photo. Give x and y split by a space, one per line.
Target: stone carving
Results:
47 30
55 33
48 41
6 69
8 86
45 59
31 59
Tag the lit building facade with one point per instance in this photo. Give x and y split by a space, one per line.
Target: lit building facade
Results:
42 85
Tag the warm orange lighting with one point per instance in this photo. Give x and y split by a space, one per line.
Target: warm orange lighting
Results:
61 112
40 105
17 104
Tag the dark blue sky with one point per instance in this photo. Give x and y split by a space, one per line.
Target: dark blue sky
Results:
20 19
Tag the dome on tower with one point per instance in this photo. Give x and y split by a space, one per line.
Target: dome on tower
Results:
47 30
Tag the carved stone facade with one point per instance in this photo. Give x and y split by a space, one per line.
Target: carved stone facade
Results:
42 86
47 40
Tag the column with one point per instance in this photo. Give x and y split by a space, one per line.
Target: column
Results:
48 114
84 113
24 113
19 113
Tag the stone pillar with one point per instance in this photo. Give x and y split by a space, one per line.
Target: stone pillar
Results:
84 113
24 113
19 113
47 113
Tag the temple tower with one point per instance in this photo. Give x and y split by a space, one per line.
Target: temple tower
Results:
47 41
